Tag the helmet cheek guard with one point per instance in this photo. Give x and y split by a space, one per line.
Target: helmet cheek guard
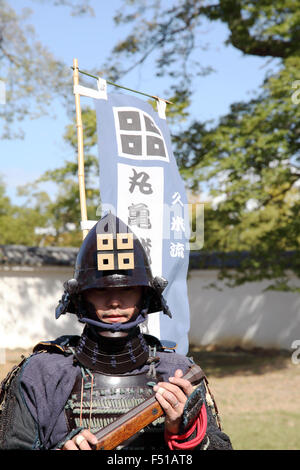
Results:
157 301
112 256
69 298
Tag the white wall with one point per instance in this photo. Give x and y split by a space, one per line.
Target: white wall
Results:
28 298
243 316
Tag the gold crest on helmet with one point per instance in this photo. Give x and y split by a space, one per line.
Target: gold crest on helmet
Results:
115 253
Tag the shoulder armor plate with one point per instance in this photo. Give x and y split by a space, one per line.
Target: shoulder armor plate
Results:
61 344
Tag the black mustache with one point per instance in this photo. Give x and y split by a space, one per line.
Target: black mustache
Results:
115 313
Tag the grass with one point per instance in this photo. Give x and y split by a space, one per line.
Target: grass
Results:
270 430
257 393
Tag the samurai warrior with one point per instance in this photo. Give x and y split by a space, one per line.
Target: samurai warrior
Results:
70 388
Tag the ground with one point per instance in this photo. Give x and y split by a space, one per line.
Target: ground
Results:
257 393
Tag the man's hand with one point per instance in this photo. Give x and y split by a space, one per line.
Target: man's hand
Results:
172 396
81 441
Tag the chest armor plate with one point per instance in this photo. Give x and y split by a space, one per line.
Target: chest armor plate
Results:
96 402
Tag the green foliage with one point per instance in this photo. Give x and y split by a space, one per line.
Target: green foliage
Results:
177 108
63 210
77 7
249 161
167 33
34 78
17 224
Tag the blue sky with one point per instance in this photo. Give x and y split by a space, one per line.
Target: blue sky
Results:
90 39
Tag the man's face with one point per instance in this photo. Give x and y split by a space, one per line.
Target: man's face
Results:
115 304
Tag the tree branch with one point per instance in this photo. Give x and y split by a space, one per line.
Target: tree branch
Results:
242 39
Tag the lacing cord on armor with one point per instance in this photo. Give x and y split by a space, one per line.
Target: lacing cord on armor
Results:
94 356
83 378
85 371
132 357
91 402
151 361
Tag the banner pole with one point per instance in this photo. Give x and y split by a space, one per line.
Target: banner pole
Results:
157 98
81 181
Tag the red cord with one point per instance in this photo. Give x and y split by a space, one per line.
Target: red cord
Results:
201 425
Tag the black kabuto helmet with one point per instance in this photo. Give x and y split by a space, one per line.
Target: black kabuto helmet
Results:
112 256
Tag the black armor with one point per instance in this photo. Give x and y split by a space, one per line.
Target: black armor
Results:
112 256
109 369
98 400
113 354
78 397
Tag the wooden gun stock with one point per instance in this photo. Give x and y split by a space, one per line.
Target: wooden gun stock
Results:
137 418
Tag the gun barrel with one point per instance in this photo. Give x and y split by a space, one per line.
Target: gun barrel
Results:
137 418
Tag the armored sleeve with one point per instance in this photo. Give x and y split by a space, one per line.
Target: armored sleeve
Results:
215 438
18 429
32 414
200 426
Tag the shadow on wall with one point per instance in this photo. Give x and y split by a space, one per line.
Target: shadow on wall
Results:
243 316
224 362
28 303
65 325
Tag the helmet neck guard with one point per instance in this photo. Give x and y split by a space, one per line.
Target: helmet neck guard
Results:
113 354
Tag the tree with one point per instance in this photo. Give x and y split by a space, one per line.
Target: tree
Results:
176 32
250 159
18 224
33 77
63 209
